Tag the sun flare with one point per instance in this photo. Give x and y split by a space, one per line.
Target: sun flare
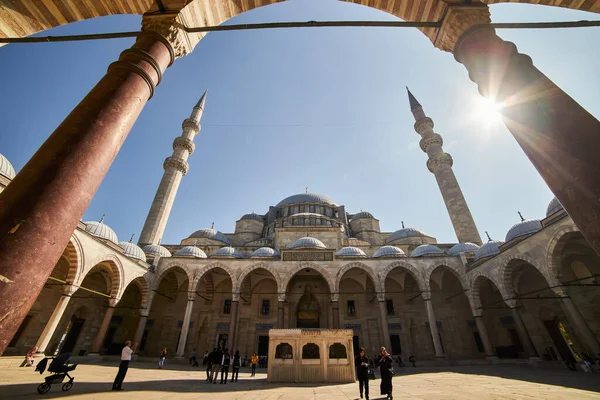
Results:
487 111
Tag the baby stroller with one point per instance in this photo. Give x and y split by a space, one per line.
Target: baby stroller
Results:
60 370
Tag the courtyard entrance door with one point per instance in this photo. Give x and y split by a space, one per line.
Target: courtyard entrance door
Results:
356 344
396 346
263 345
222 341
73 333
308 311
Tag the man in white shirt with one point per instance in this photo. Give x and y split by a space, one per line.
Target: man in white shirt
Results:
124 365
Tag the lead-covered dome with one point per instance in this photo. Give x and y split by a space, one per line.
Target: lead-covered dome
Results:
426 250
265 252
307 242
155 250
133 251
350 251
460 248
524 228
306 198
190 251
405 233
553 207
254 216
101 231
6 168
210 234
489 249
228 252
389 251
362 214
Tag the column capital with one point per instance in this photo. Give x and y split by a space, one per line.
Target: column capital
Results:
177 163
69 290
381 296
426 296
172 28
561 291
457 20
191 296
112 302
144 312
335 297
439 160
184 143
235 296
281 297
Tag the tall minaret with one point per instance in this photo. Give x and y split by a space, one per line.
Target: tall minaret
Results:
440 164
175 167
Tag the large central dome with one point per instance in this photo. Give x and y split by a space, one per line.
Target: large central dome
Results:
306 198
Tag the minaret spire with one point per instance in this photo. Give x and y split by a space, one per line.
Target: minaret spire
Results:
440 164
175 168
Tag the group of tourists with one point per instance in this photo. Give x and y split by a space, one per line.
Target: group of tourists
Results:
365 372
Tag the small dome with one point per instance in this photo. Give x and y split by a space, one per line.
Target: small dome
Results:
553 207
210 234
463 248
489 249
524 228
155 250
389 251
306 198
350 252
229 252
6 168
307 242
362 214
426 250
190 251
405 233
253 216
101 231
133 251
265 252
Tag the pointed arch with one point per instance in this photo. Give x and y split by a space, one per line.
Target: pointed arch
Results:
553 261
111 264
411 269
508 266
200 273
74 255
254 267
144 286
299 267
165 269
357 265
475 292
460 275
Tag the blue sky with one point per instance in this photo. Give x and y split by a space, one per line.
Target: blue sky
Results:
323 108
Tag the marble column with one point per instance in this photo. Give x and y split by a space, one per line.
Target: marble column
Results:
581 327
558 135
385 329
42 206
523 334
139 332
485 338
435 333
104 327
55 318
233 325
187 318
280 314
335 310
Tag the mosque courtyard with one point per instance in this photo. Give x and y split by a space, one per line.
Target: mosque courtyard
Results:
467 382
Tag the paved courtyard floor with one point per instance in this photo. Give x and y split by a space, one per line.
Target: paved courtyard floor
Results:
145 381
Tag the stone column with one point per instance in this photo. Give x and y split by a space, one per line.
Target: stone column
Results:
233 324
104 327
187 317
55 318
385 329
523 334
280 314
580 326
435 333
139 332
335 309
485 339
41 207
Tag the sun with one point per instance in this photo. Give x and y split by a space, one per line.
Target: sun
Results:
487 111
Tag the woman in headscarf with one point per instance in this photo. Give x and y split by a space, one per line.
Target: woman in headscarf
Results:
386 365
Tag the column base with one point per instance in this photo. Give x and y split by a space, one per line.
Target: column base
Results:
95 355
492 359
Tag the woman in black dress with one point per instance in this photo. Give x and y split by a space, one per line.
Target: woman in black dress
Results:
386 365
361 362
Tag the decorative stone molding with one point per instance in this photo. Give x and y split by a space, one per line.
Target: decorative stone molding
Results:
423 125
177 163
190 124
184 143
171 27
439 160
69 290
428 141
457 20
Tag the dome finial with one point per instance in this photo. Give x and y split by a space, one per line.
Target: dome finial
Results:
102 219
402 222
132 235
306 190
521 216
488 236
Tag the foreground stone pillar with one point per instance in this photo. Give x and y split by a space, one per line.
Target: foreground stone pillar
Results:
41 207
385 329
104 327
55 318
139 332
335 310
485 339
187 317
232 324
523 334
581 327
435 333
280 314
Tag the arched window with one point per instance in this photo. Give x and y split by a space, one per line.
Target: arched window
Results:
337 350
284 350
310 351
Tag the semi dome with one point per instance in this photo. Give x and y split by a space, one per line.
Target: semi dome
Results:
133 251
6 168
307 242
210 234
155 250
405 233
362 214
489 249
265 252
253 216
553 207
426 250
460 248
524 228
350 251
101 231
190 251
389 251
229 252
306 198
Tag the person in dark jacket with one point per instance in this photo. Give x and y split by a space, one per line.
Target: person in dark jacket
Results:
216 365
209 359
361 362
225 363
386 365
237 362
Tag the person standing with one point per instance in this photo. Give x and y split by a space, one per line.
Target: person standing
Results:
161 360
226 361
362 373
253 362
209 359
236 366
124 365
386 367
216 365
